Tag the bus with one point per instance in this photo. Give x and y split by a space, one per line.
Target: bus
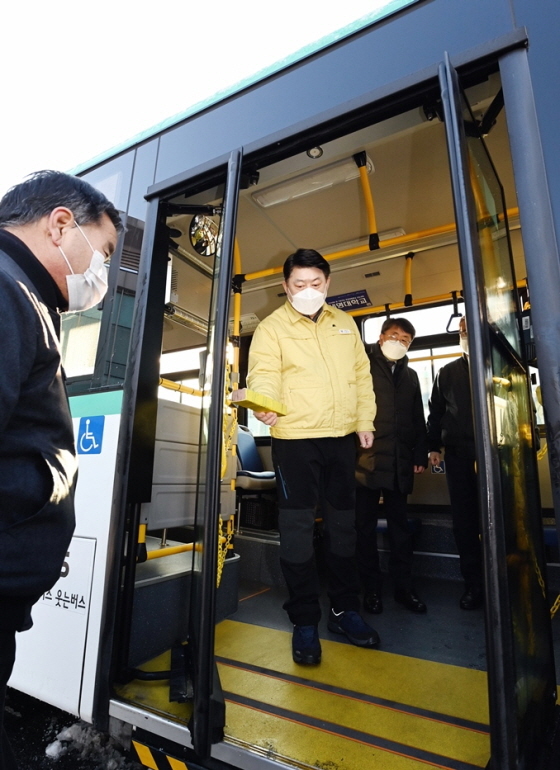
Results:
418 154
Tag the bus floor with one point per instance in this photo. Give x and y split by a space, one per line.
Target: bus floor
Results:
418 701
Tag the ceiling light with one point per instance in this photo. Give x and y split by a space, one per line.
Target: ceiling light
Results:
311 181
314 152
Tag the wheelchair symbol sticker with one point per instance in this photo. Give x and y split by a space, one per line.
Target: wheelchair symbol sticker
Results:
439 468
90 435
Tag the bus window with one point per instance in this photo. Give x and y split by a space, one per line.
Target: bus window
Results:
256 427
183 368
427 362
79 338
427 321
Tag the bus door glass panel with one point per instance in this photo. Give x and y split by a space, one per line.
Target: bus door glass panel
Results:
514 430
527 680
209 711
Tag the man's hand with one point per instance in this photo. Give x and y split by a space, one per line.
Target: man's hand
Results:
366 438
419 468
435 458
269 418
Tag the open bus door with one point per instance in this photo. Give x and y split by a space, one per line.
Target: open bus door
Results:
186 618
208 717
521 675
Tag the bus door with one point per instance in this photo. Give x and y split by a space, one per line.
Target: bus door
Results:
209 711
175 485
521 676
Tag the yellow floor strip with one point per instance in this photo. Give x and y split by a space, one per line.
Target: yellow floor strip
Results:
281 738
300 723
443 689
452 690
408 729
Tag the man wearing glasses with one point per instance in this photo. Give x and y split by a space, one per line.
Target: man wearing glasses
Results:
387 469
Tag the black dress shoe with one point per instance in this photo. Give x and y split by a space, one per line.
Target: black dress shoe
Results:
471 599
373 604
410 600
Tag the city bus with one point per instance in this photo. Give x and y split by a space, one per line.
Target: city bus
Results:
418 153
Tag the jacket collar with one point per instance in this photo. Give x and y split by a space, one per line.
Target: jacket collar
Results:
37 274
294 316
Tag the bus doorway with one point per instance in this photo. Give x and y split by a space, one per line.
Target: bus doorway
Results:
367 194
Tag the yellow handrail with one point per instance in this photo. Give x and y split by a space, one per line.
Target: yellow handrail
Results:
398 241
170 385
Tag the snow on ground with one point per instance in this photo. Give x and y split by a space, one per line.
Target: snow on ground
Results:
46 738
86 743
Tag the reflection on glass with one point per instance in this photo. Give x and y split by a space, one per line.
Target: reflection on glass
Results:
493 238
203 233
524 554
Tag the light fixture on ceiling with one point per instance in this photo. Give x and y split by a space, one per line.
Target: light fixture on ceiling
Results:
314 152
309 182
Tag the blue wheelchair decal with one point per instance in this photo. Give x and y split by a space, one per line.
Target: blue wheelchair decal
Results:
90 435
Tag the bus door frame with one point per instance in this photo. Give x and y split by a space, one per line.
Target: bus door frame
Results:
208 719
499 623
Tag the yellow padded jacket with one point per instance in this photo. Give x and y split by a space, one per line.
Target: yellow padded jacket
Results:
320 370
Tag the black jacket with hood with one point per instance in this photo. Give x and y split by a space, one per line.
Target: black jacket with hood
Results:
400 429
37 453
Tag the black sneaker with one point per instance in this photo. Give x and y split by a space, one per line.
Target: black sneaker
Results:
354 627
306 647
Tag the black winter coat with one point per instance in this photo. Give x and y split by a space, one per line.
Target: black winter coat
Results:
37 453
400 430
450 421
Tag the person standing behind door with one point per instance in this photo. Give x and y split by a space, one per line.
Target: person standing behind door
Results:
310 356
387 469
450 426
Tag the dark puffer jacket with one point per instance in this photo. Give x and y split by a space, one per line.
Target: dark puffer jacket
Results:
400 430
37 454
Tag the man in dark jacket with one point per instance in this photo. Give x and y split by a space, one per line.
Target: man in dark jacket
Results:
450 425
399 451
56 231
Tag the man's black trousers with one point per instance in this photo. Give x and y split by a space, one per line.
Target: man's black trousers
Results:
310 473
368 511
462 482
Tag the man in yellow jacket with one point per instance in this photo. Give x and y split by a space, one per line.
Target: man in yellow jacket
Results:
310 356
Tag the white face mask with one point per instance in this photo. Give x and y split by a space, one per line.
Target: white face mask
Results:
393 350
85 290
308 301
464 343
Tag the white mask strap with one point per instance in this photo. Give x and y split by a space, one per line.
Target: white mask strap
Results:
85 236
66 260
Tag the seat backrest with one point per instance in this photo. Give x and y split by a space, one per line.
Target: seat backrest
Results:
247 451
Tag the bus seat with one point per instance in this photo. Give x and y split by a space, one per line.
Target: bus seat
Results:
251 476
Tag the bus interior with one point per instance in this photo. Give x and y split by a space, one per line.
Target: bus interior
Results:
422 698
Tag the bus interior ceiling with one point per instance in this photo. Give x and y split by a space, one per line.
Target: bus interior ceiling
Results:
423 695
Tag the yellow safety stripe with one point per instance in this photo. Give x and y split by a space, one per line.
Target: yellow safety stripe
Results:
145 756
175 764
147 759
